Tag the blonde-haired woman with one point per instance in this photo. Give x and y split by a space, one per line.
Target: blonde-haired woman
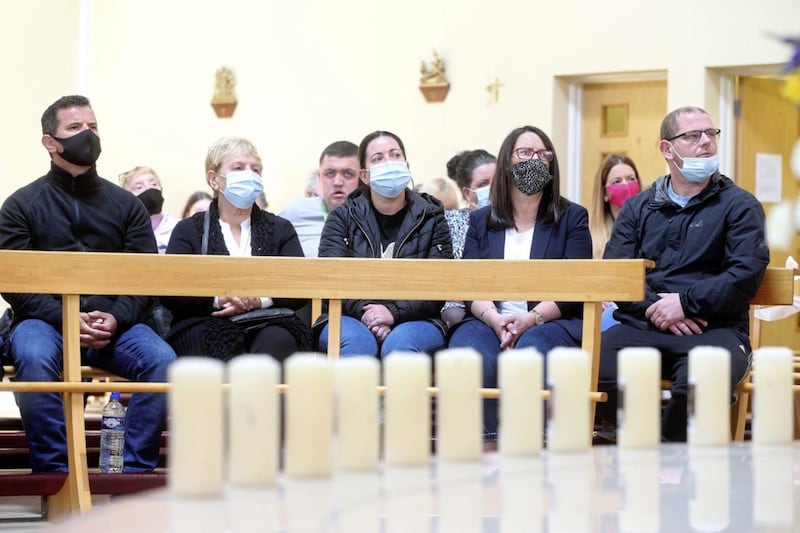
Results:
616 180
143 182
234 225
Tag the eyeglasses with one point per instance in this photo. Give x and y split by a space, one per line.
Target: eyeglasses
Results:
694 136
528 153
346 173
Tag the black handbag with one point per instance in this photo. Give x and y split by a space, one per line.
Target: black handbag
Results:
258 318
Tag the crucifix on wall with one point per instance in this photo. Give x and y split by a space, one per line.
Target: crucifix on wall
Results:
494 90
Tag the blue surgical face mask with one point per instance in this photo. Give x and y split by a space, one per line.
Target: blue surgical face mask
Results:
482 196
389 179
242 188
697 169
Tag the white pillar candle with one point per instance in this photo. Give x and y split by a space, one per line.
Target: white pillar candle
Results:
709 421
196 426
709 509
459 502
521 378
639 381
570 480
568 409
254 420
523 500
309 415
458 404
639 472
407 437
356 384
408 495
773 396
773 488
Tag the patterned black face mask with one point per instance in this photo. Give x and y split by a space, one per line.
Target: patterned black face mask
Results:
530 176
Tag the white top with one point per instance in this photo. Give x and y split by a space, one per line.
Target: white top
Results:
163 231
517 246
240 249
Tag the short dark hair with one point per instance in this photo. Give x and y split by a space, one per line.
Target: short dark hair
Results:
50 115
669 126
552 204
339 149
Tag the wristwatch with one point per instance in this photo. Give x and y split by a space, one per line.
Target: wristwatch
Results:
538 318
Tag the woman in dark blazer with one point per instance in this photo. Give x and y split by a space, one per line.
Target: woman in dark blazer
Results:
235 226
527 219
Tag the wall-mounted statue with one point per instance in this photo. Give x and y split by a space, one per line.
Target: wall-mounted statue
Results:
224 99
432 81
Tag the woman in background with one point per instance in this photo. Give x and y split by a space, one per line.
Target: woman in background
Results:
197 202
473 172
616 180
143 182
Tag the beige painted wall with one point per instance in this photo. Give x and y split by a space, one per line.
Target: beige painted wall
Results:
313 71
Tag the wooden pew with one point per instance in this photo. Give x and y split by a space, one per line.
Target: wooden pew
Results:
777 288
74 274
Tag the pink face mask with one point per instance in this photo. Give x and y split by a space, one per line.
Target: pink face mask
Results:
619 192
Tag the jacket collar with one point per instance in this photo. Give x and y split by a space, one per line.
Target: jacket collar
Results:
661 196
87 181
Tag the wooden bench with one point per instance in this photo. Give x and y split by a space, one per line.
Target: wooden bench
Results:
73 274
777 288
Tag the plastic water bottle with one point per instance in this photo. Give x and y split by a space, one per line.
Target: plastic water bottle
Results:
112 436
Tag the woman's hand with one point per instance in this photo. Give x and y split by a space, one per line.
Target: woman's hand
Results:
515 326
234 305
378 319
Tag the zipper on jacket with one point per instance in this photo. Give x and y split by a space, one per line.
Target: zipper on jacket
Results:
361 228
413 228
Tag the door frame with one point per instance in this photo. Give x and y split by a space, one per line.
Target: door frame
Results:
574 89
721 81
725 80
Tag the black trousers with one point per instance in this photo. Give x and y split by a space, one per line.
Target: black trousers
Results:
674 366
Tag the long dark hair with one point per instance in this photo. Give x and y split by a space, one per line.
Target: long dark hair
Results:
552 204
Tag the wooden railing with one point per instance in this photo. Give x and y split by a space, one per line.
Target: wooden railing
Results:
71 275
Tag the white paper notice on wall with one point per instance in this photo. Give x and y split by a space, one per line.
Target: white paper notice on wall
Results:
769 177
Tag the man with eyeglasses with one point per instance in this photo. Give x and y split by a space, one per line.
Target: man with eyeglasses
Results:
706 236
337 177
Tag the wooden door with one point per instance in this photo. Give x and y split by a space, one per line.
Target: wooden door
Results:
766 123
622 118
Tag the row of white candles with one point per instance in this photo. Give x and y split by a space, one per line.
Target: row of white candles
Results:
318 389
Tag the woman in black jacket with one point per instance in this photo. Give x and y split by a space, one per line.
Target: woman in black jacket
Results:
234 225
384 219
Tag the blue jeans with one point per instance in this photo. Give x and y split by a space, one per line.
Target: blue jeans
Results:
414 336
476 334
139 354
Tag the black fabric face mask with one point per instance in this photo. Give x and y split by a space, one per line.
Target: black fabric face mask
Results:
153 200
82 149
530 176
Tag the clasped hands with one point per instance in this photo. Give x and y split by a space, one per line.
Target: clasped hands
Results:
509 328
235 305
667 314
378 319
96 329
